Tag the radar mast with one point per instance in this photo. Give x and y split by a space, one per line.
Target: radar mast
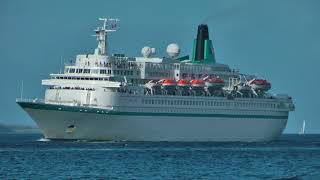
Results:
109 25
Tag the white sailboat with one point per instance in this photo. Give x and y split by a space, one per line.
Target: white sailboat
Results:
302 131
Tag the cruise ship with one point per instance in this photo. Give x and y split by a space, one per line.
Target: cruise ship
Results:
111 96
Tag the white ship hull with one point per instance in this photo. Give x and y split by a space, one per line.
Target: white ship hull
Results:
153 126
105 96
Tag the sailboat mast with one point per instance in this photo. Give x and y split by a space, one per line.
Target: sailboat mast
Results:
302 131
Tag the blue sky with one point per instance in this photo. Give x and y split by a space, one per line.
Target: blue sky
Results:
277 39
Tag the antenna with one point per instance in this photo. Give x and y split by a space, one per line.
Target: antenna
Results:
109 25
21 90
61 64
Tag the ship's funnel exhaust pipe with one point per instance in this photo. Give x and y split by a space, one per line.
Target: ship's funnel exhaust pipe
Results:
201 36
202 50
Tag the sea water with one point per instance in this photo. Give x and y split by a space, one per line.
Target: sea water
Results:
30 156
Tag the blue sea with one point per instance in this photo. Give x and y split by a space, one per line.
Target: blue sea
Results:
29 156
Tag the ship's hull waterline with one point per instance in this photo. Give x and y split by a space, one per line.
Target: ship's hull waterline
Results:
90 124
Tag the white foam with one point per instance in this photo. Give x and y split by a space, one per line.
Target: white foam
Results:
43 140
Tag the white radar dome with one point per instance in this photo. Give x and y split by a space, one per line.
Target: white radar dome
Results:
173 50
146 51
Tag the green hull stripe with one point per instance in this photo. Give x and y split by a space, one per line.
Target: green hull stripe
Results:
103 111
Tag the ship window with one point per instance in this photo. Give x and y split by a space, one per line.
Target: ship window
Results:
95 78
103 71
71 70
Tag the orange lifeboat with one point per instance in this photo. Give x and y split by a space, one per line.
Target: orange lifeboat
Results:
183 86
197 83
167 82
168 85
183 83
197 86
260 84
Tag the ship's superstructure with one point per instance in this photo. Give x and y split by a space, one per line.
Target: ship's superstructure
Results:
105 96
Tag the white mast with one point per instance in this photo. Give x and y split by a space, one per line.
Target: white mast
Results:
21 90
109 25
302 131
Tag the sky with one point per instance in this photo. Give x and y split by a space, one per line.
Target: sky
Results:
276 39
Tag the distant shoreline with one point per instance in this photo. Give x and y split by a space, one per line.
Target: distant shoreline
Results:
18 129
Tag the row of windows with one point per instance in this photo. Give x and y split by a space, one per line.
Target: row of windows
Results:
102 71
80 78
157 74
159 66
72 88
184 102
124 72
199 68
207 103
73 70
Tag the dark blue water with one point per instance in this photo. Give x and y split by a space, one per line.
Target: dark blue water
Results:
290 157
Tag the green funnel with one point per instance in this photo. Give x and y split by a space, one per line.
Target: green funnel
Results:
202 47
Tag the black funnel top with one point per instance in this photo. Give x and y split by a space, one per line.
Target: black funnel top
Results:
202 35
203 31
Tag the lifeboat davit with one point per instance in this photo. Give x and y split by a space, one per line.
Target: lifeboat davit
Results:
169 85
153 87
260 84
243 88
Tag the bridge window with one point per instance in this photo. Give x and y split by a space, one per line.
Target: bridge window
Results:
71 70
103 71
86 71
